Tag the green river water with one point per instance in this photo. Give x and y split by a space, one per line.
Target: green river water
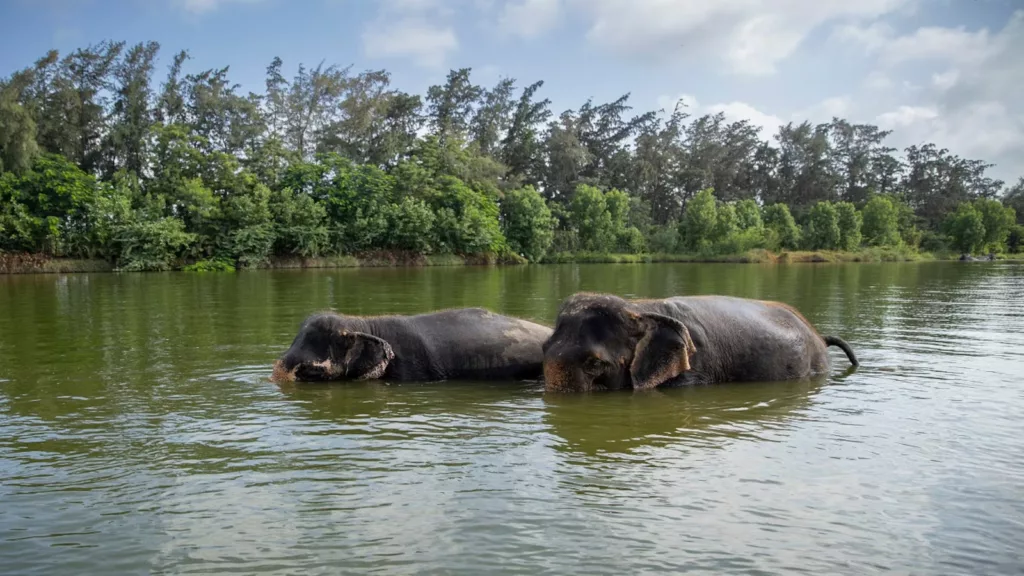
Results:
139 433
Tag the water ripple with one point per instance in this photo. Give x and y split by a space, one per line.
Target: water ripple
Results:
161 447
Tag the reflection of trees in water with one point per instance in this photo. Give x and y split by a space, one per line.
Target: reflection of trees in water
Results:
609 423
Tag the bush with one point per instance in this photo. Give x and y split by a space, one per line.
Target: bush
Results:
849 221
748 215
966 229
934 241
593 222
700 218
725 223
823 232
663 239
527 223
997 221
211 265
881 222
781 231
410 225
300 224
151 245
1015 240
252 245
631 241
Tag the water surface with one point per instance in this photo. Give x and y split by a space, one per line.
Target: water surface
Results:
139 433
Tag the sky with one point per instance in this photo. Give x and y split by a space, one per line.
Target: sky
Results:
942 71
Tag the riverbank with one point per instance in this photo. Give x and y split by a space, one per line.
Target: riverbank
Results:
18 263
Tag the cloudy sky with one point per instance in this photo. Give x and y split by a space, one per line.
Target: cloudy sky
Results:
946 71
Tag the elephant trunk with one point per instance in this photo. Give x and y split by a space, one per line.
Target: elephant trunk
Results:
560 376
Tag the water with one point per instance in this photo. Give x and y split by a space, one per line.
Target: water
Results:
139 433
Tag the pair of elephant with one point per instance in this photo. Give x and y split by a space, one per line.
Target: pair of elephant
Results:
599 342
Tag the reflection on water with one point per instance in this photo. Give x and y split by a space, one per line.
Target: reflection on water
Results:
139 433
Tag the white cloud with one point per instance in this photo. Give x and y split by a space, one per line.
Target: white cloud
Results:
971 104
202 6
751 36
945 80
906 116
427 44
733 112
824 111
417 30
926 43
530 18
736 111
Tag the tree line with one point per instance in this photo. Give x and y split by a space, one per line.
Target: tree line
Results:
101 158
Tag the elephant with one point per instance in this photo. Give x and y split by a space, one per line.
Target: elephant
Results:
463 343
604 342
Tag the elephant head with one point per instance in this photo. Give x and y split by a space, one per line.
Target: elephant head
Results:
602 342
326 349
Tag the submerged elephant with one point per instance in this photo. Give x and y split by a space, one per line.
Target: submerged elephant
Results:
603 342
465 343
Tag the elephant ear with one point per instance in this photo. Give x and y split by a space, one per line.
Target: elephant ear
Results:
362 356
662 353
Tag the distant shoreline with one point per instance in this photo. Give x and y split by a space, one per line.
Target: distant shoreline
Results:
19 263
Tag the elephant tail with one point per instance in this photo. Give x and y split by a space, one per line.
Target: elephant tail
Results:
837 341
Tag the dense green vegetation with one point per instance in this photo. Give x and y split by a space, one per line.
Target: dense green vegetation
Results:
100 160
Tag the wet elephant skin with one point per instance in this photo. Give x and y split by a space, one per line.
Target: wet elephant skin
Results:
463 343
604 342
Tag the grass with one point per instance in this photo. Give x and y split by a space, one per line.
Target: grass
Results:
19 263
757 256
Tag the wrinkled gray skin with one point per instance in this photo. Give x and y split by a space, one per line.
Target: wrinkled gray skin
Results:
465 343
603 342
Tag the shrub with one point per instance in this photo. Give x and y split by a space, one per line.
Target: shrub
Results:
781 231
823 232
849 221
527 223
631 241
663 239
700 219
881 222
966 229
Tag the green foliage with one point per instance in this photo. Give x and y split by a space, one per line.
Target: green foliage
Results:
1014 198
631 241
18 147
849 221
213 265
725 223
781 231
300 224
410 225
748 215
823 231
663 240
700 219
527 223
592 220
997 220
934 241
881 222
151 244
1015 239
966 229
910 233
100 159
